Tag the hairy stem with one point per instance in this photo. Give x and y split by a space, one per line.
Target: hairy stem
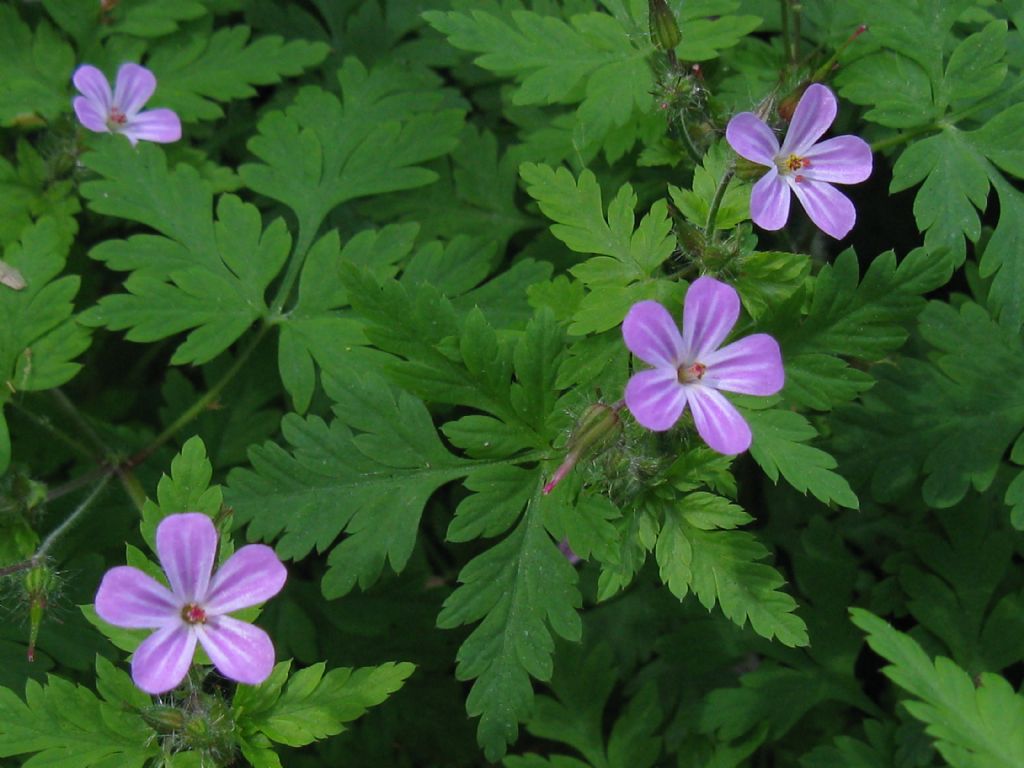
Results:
55 535
716 203
203 403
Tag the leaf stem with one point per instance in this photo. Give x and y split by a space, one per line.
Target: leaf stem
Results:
307 230
709 228
902 138
44 423
200 405
55 535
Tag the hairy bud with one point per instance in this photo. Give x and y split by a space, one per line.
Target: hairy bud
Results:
596 429
664 29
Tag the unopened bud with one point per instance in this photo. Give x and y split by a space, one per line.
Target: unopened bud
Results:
163 719
664 29
597 427
748 170
788 104
39 581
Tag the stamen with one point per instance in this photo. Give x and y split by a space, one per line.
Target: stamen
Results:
691 373
193 614
117 117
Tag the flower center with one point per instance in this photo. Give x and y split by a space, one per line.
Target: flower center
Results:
792 164
193 614
690 373
116 117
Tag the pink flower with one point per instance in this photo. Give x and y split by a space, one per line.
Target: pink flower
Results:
692 366
801 165
195 608
104 112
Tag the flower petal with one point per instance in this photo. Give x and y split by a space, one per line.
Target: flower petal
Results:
93 85
162 659
751 138
250 576
187 546
842 160
718 422
769 201
752 366
710 311
656 398
239 650
812 117
829 208
160 125
130 598
135 84
652 335
91 115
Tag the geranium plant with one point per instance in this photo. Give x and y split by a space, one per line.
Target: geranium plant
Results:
452 383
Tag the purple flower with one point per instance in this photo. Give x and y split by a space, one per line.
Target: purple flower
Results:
802 165
104 112
692 366
195 608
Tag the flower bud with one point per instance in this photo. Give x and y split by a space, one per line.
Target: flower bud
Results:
664 29
788 104
163 719
40 580
748 170
597 427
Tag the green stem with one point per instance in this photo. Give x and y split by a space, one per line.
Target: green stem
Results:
65 404
902 138
716 203
787 38
123 470
684 132
71 519
306 233
44 423
200 405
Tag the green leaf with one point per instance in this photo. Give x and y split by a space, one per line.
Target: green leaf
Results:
723 566
27 192
203 274
976 67
153 18
958 434
622 273
475 196
582 684
218 297
317 329
590 59
314 705
321 152
522 589
897 88
695 204
974 725
955 188
186 489
866 320
37 67
368 473
38 338
767 278
779 448
67 725
223 67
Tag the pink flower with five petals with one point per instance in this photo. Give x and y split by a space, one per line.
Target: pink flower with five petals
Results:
103 111
195 608
692 367
802 164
